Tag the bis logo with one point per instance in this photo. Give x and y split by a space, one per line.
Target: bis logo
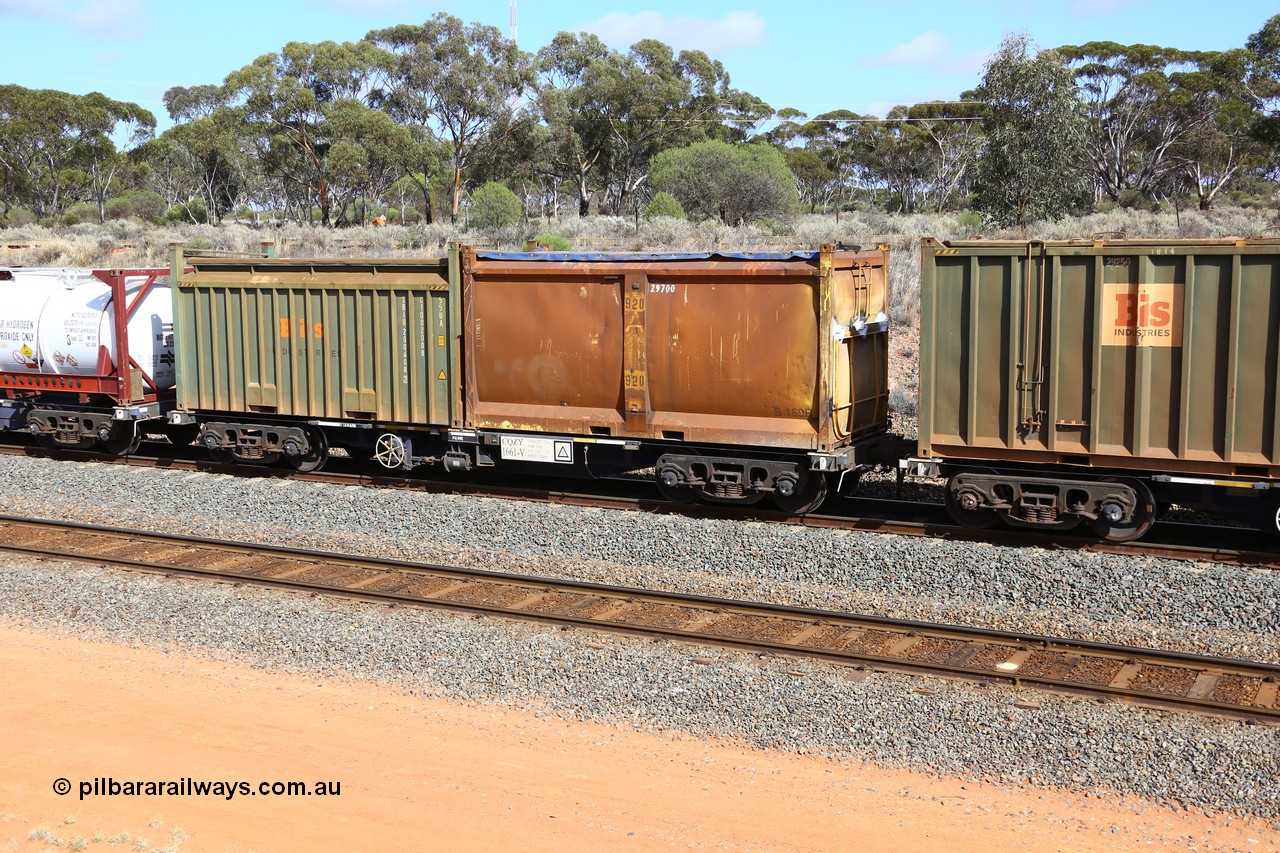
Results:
1142 315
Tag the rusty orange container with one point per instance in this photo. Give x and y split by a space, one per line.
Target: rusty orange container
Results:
780 350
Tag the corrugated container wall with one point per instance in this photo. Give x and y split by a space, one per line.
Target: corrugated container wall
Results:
353 340
783 350
1132 354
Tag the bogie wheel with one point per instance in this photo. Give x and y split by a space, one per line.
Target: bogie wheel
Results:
807 494
390 451
120 438
122 445
222 456
672 489
962 509
314 460
1144 515
48 442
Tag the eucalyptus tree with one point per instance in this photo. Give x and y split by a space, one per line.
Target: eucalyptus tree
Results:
101 118
207 157
1264 84
651 99
833 137
895 155
952 133
1162 118
813 177
289 97
365 158
1029 167
463 81
185 103
57 147
581 143
1126 90
1219 113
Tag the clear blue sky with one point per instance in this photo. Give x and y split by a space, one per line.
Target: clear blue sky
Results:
814 56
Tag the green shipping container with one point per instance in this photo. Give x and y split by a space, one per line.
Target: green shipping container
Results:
1135 355
352 340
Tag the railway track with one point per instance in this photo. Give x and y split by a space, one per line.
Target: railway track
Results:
1228 545
1146 677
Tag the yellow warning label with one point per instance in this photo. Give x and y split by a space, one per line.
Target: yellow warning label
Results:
440 341
27 351
441 376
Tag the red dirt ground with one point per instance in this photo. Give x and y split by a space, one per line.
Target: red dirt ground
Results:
419 774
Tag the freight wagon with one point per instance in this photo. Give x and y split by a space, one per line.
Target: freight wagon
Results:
1092 381
729 377
86 356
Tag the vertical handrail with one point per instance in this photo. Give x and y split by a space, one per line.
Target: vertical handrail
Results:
1031 355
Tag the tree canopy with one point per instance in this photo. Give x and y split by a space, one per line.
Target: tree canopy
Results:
417 117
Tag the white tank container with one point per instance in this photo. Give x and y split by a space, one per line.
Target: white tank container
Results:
55 320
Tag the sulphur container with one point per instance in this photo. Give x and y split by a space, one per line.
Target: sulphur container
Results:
782 350
1132 355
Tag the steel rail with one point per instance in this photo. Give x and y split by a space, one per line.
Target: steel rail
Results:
1148 677
897 521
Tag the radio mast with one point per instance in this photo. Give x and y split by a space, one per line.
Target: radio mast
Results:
515 27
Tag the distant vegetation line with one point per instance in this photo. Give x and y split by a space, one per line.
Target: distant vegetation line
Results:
447 121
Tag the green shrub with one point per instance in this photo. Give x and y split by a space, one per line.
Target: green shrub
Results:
119 208
80 212
147 205
664 204
969 222
18 217
494 206
554 242
184 213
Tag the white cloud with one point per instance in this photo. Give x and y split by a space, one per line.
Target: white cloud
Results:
933 52
115 18
736 29
925 49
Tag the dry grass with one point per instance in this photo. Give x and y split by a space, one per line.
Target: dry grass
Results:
132 244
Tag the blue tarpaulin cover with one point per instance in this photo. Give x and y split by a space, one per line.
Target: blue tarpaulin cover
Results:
645 256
